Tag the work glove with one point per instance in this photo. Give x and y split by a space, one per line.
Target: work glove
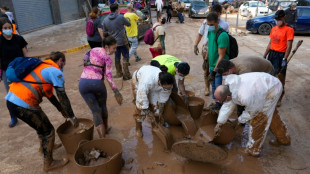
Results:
118 96
211 76
284 63
74 121
196 50
145 112
217 129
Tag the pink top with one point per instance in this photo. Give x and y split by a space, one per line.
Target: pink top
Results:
98 56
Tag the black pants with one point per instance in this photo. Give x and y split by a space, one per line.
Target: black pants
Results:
169 17
93 44
35 119
276 60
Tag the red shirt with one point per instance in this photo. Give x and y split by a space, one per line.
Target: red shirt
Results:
279 37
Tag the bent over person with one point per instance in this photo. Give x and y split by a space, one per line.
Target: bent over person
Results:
24 98
259 93
151 89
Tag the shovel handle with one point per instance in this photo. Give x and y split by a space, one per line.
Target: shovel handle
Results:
294 51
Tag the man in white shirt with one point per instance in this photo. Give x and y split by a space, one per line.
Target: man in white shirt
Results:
159 6
203 32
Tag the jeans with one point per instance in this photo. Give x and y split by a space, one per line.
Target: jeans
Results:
134 46
121 50
215 83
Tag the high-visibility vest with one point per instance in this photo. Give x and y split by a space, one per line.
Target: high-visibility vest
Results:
32 93
168 61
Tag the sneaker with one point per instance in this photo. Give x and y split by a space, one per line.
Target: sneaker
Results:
138 59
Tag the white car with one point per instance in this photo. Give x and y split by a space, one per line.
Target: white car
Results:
253 9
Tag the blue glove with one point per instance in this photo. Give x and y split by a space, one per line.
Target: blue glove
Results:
284 62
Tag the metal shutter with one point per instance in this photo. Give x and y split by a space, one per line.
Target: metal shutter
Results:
68 10
31 14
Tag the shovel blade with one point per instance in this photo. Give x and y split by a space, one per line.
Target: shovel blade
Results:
164 135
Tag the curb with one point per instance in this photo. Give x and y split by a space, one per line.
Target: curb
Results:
70 50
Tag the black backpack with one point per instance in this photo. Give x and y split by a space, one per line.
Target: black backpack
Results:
234 50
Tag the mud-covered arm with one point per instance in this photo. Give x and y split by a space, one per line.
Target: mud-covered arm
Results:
181 85
56 103
226 110
65 102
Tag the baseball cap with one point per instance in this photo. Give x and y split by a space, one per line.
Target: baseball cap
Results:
279 14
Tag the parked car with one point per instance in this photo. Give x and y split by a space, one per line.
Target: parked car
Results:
187 3
264 24
253 9
198 9
142 25
303 2
279 5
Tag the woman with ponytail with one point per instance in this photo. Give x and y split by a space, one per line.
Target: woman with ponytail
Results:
151 88
92 86
94 29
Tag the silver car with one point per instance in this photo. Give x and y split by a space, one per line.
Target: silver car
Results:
198 9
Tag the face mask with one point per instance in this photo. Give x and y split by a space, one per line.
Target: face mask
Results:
279 23
163 20
211 28
7 32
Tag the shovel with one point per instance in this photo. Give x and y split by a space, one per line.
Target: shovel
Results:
184 116
281 76
162 132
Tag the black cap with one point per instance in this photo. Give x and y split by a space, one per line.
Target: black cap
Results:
183 67
279 14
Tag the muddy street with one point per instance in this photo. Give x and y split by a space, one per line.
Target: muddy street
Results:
19 145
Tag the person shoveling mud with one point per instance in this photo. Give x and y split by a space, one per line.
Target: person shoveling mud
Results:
259 93
151 88
94 157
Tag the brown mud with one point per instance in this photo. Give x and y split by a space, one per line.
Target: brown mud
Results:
279 129
195 106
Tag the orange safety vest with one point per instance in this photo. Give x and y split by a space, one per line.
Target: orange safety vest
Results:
13 29
32 93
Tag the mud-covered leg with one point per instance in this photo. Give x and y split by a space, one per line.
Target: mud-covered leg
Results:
205 67
138 119
279 130
257 132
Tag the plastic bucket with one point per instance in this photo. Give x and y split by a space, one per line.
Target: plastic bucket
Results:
71 137
112 147
169 113
195 106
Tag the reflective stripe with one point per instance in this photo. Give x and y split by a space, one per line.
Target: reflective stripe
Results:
37 78
32 89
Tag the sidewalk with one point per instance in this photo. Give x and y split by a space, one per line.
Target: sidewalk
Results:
57 37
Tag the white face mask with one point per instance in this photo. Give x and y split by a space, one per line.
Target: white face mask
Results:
279 23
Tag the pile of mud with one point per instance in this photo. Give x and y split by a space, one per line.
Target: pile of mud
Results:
94 157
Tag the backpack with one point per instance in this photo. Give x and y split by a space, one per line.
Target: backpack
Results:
90 28
149 36
234 50
20 67
87 62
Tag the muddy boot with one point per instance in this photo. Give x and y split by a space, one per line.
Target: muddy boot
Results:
127 75
119 72
107 128
207 88
101 130
56 146
139 133
49 162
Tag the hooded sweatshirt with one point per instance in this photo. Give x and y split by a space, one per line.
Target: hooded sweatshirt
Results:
114 25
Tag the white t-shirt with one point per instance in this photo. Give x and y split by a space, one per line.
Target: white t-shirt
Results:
203 30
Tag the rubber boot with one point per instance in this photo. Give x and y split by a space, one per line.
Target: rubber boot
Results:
101 130
49 163
13 121
139 133
127 75
107 128
207 87
119 72
56 146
